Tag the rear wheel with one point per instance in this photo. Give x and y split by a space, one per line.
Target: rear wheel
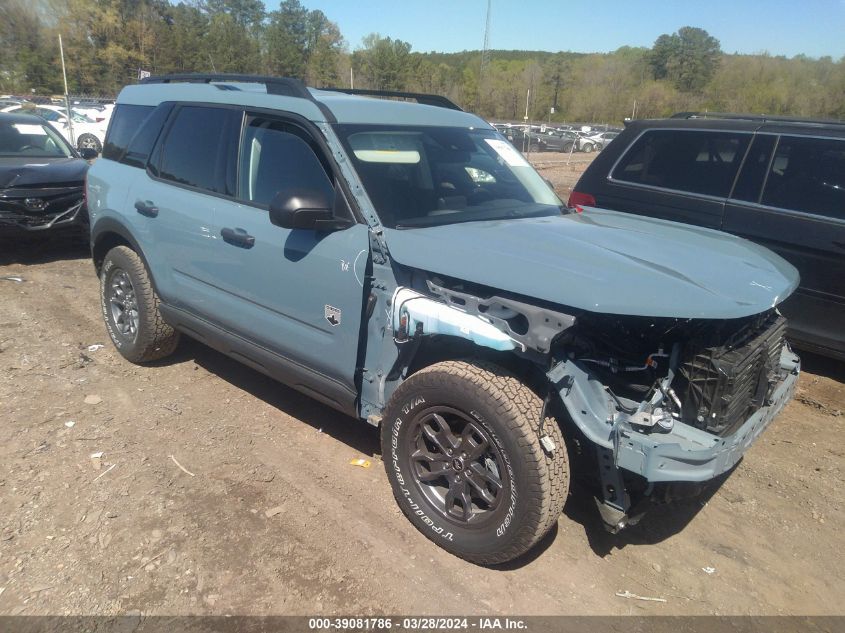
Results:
89 141
588 148
130 308
462 450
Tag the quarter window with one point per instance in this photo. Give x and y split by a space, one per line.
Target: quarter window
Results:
125 121
693 161
808 174
144 139
199 150
276 157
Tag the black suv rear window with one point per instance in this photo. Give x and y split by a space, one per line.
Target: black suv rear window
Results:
686 160
808 174
125 121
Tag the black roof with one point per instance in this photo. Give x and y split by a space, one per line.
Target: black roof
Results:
757 118
743 123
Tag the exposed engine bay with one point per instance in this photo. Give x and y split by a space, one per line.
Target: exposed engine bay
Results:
709 374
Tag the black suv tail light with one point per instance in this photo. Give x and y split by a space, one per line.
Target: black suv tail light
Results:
578 199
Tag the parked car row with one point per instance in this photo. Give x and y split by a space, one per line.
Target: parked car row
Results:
82 131
556 139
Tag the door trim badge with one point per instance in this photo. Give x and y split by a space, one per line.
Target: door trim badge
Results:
332 315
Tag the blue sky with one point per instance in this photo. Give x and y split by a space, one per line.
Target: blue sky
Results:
810 27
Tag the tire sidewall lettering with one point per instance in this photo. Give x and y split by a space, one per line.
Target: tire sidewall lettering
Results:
503 526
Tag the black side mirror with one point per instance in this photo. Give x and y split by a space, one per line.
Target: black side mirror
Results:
88 153
306 209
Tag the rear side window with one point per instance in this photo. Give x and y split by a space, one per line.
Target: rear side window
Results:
807 174
749 186
685 160
125 121
277 157
144 139
200 149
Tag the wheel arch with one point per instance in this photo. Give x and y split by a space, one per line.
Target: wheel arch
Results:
437 349
108 233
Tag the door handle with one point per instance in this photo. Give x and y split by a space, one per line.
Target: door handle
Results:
147 208
238 237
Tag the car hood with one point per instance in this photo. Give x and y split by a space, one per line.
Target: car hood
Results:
605 261
24 171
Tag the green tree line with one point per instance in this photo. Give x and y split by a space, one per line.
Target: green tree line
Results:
106 42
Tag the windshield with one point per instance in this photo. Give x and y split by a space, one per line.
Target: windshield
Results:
426 176
31 139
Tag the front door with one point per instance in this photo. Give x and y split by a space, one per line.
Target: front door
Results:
297 293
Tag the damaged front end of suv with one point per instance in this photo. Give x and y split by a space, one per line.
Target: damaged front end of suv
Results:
663 369
666 401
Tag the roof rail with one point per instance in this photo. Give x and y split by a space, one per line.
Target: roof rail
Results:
425 99
760 118
285 86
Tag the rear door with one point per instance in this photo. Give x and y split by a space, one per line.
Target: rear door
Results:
791 199
681 175
191 169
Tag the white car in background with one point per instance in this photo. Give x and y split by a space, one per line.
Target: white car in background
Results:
87 132
601 139
99 112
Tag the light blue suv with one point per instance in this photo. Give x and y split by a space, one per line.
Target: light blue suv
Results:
404 264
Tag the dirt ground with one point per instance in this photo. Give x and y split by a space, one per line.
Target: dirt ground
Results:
218 491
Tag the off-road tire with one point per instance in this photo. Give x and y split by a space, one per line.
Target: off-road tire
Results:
154 338
510 412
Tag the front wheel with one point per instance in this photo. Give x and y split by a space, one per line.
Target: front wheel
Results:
461 445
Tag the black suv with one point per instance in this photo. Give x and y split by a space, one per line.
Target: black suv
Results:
779 182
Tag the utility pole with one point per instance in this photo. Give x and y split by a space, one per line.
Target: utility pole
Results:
67 98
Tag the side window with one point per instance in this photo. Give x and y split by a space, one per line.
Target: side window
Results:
48 115
125 121
687 160
278 157
808 174
199 150
750 183
144 139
